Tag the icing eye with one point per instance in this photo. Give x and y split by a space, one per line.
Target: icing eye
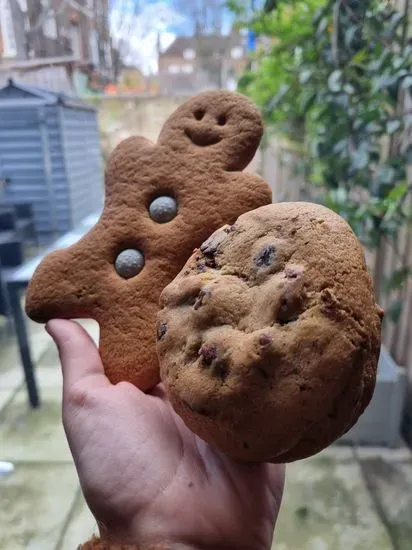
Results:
163 209
129 263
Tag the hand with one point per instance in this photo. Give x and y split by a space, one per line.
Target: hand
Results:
146 478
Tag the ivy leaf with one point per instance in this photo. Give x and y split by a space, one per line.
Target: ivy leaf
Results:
340 146
394 311
305 76
335 81
350 35
308 103
349 89
393 126
397 192
384 81
394 22
409 155
407 83
360 158
274 102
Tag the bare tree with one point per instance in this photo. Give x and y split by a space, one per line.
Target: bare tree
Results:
205 16
123 26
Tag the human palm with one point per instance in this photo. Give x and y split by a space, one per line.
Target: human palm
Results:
146 478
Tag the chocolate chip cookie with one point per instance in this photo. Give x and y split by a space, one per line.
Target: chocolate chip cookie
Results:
269 337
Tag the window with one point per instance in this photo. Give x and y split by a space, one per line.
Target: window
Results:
174 69
187 69
94 48
237 52
189 54
23 5
76 41
7 30
50 26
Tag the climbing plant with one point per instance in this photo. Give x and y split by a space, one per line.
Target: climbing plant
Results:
334 75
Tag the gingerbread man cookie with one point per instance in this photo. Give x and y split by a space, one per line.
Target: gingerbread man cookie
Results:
162 201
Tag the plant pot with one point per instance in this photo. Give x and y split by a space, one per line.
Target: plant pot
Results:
380 424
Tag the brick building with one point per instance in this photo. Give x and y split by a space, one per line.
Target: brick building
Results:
193 63
50 29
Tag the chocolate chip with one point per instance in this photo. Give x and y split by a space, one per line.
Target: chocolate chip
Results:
266 256
209 247
208 352
161 331
291 273
262 372
265 340
203 294
221 370
290 309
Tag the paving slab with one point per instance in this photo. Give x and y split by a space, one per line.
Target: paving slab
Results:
401 454
81 526
28 435
35 501
327 506
389 479
6 396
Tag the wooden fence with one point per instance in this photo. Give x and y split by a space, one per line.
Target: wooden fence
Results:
279 165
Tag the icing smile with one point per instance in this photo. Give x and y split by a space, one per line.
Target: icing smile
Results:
203 139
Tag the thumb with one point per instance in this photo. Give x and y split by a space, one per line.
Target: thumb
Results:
79 356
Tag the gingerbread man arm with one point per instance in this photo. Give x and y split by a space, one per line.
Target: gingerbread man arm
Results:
63 284
126 163
258 191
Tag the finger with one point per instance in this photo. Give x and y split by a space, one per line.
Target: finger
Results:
79 356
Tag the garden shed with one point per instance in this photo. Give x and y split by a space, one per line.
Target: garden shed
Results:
50 157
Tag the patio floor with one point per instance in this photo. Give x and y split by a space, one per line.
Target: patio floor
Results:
343 499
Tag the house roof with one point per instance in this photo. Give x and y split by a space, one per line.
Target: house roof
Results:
208 43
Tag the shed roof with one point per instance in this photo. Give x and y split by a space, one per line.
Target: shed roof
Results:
16 94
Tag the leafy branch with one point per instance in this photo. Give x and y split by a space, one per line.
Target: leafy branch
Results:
335 79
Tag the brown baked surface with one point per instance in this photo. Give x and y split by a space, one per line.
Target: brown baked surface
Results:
269 337
198 161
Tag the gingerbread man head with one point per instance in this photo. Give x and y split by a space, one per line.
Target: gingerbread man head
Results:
162 202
